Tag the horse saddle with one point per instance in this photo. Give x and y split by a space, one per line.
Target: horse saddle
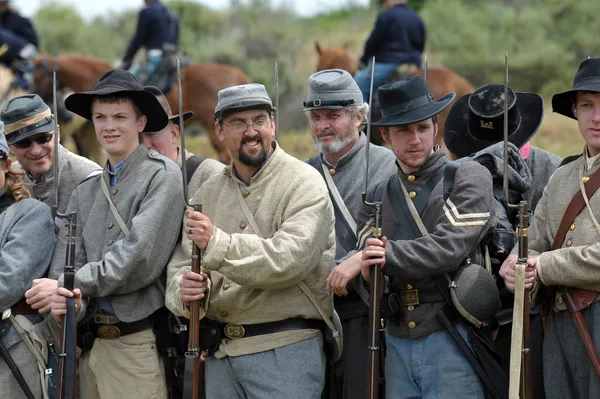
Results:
164 75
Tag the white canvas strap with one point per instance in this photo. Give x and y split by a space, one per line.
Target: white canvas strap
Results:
339 202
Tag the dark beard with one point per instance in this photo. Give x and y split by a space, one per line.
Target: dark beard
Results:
258 160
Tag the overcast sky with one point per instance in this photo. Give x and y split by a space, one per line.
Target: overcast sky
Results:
93 8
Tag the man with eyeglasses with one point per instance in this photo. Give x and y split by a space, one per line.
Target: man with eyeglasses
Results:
30 128
165 142
266 229
336 112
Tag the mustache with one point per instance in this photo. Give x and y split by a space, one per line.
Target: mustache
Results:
325 132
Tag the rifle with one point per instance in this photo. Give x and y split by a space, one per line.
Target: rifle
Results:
277 102
376 275
67 359
193 382
520 357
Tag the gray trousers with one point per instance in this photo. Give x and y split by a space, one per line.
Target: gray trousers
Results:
568 371
295 371
9 387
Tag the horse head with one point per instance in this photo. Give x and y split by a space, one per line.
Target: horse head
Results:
335 57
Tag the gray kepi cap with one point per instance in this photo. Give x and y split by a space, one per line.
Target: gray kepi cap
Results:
332 89
242 97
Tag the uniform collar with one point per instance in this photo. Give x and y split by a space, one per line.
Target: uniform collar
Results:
128 165
433 163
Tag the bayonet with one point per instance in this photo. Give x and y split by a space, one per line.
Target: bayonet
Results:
67 359
277 102
376 275
425 67
193 387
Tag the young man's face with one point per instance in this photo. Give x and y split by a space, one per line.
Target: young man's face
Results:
117 127
412 143
587 111
251 146
333 129
164 141
35 153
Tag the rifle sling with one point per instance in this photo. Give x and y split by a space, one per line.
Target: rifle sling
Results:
10 362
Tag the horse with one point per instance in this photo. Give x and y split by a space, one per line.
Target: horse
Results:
202 82
440 82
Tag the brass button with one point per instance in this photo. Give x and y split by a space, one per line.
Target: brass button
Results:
332 172
410 308
109 242
412 324
224 314
409 287
243 226
412 194
572 227
559 300
114 191
585 179
245 194
226 287
411 178
109 226
569 243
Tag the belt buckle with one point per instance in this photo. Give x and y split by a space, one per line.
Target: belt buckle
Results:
234 331
108 331
409 297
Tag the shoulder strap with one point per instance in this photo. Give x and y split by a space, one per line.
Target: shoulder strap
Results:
113 208
449 174
191 164
574 208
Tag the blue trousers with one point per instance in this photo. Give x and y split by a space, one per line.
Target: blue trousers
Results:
382 72
429 367
151 64
295 371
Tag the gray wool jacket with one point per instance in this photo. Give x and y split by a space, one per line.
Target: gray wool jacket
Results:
72 170
149 198
26 245
456 226
349 178
542 165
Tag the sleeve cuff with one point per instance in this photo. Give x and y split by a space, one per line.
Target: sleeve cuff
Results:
217 248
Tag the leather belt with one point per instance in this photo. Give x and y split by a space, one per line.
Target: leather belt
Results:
23 308
116 330
236 331
416 297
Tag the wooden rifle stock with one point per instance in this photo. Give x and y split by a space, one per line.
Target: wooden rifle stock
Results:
193 387
374 318
67 361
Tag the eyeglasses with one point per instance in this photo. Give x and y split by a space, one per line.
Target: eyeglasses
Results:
241 127
41 139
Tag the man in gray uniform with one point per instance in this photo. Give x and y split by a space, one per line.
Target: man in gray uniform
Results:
430 234
165 142
336 112
128 220
30 131
564 249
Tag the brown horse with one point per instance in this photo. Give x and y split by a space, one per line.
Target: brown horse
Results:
440 81
201 84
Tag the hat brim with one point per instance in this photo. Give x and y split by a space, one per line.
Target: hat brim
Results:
15 137
562 103
418 114
460 141
186 115
157 118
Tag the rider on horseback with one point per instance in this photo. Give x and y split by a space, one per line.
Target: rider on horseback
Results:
158 32
18 43
397 40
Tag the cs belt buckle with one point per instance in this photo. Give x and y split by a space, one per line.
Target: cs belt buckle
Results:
108 331
409 297
234 331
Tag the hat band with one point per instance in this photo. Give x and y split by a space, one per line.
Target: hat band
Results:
30 123
406 106
332 103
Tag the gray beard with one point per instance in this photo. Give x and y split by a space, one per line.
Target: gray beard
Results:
334 146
